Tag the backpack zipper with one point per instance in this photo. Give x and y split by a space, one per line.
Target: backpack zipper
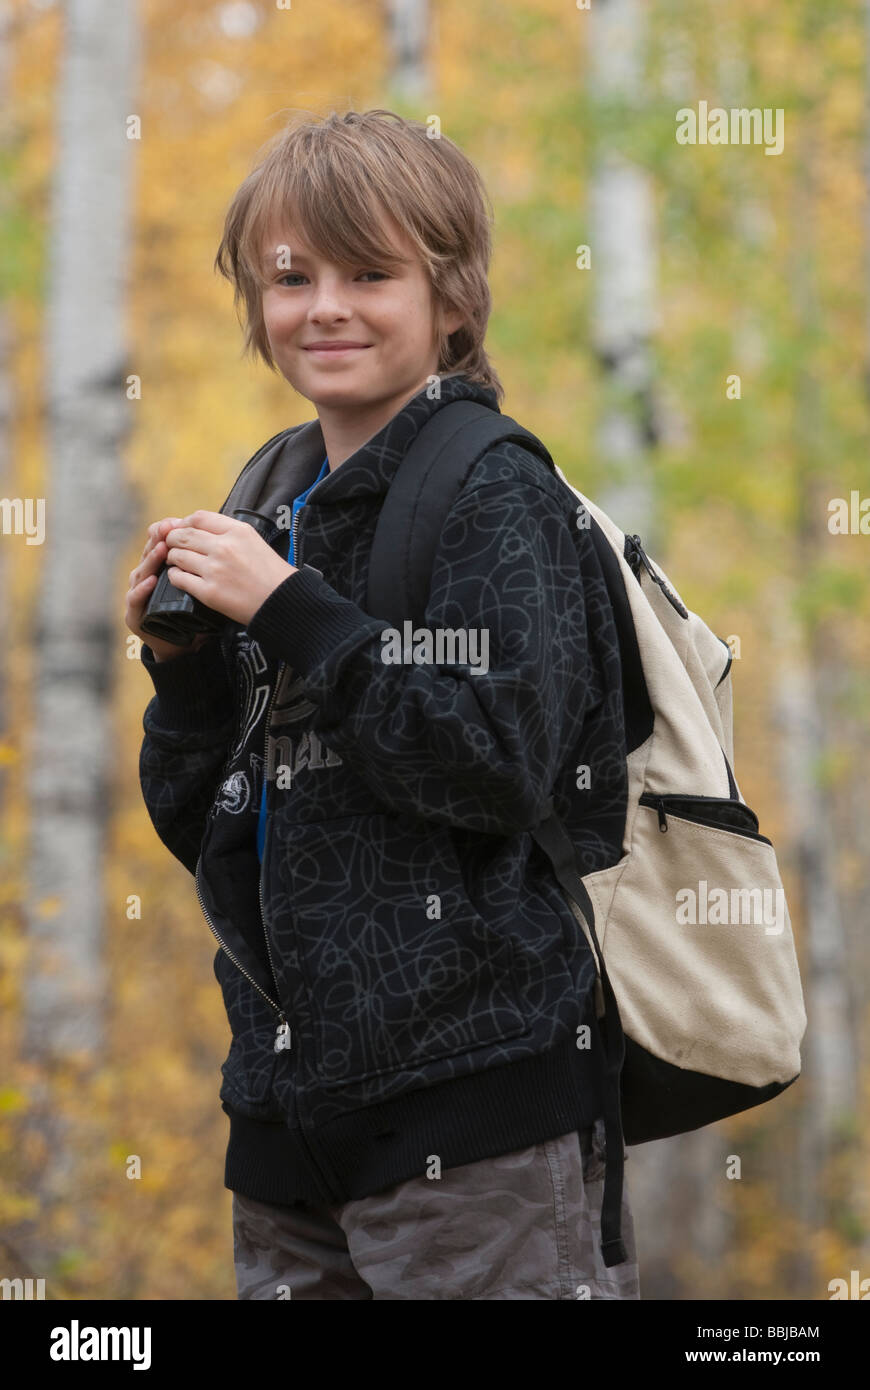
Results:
640 555
657 802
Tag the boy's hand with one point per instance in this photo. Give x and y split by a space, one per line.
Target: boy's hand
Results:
142 581
224 563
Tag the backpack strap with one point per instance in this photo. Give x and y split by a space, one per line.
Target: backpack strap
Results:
408 530
420 496
556 844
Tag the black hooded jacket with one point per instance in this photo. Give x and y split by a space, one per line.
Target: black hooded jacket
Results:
406 944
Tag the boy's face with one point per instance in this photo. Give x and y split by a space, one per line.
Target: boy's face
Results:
389 311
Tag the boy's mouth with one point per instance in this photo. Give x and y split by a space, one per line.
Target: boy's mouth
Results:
336 349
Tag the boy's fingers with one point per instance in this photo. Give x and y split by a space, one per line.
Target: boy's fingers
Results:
202 520
136 600
157 531
150 562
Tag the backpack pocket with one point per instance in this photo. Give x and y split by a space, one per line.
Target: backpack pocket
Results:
723 813
698 943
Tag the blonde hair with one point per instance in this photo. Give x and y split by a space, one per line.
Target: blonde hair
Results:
336 178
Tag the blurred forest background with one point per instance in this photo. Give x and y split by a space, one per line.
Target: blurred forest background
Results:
123 398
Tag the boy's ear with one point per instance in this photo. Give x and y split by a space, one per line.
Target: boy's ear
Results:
449 319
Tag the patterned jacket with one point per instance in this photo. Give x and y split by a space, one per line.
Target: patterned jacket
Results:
403 978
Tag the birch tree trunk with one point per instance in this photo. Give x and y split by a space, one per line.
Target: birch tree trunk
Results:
809 666
622 238
86 522
6 485
408 39
674 1185
867 187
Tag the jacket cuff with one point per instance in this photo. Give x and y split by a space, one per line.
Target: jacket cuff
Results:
193 690
304 619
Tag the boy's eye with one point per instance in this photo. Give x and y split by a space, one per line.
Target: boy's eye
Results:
297 274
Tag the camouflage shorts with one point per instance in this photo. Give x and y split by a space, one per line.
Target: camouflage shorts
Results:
524 1225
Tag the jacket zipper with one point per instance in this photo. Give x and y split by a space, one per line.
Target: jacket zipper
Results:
282 1036
282 1039
295 523
302 1136
283 1026
295 528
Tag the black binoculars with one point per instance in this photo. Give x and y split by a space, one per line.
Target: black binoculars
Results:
178 617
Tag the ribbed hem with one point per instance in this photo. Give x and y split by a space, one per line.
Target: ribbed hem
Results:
260 1158
303 620
193 690
492 1112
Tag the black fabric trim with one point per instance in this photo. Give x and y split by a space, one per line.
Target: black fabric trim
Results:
732 785
660 1100
639 714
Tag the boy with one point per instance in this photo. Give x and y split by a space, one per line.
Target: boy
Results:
412 1115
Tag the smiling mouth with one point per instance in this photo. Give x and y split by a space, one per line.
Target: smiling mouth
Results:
337 351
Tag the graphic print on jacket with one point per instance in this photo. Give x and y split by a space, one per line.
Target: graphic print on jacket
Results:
417 934
249 1068
255 686
290 744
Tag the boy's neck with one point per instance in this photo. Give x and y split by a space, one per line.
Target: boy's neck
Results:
347 430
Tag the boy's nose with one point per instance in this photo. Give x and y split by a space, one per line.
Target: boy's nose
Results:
328 302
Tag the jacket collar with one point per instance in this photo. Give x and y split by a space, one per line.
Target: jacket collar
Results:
291 462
